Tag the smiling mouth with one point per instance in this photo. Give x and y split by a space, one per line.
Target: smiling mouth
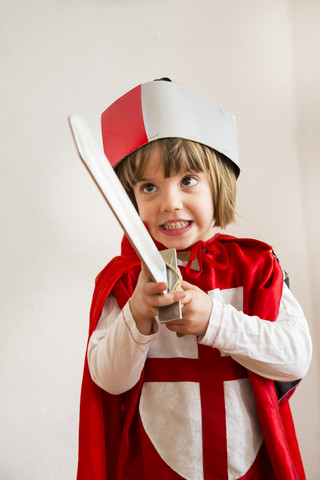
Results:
176 225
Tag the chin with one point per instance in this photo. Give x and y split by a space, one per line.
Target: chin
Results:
176 243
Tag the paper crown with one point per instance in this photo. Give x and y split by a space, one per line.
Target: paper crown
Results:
163 109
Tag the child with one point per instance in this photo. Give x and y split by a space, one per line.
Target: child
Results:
212 402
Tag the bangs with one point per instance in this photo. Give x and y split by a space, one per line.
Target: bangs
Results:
176 154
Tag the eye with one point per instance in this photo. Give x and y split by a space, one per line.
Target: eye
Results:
189 181
148 188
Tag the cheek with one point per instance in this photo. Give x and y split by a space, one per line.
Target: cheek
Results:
208 213
138 203
145 212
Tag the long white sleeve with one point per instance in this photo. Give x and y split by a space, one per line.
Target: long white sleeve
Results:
117 350
279 350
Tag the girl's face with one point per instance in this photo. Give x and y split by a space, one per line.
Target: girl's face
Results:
178 210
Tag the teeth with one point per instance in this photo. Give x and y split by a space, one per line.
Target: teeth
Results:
175 226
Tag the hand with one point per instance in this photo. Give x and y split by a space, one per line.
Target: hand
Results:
147 298
196 311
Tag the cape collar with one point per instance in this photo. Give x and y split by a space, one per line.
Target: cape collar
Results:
211 251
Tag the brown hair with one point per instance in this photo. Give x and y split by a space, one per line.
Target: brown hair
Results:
179 154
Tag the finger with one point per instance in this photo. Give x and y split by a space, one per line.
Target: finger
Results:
174 327
189 286
153 288
166 299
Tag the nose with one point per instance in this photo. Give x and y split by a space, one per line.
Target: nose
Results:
171 200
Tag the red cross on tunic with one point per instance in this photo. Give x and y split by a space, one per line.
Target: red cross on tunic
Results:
210 370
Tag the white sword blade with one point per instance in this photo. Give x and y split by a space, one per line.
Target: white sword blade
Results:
118 200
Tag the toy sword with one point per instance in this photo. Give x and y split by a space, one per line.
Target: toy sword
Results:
121 206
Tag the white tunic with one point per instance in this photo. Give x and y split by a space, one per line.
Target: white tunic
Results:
279 350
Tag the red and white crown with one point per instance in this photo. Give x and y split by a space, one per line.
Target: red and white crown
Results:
163 109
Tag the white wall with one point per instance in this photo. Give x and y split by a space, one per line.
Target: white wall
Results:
258 59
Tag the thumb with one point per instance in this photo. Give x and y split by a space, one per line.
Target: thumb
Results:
188 286
188 296
189 291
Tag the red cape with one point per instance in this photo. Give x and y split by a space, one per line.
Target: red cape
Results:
230 262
